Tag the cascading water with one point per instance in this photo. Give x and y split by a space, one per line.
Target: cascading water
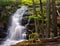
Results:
17 32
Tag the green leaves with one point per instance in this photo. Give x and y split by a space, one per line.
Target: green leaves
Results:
39 17
8 7
33 36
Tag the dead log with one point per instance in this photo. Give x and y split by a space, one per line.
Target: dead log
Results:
53 39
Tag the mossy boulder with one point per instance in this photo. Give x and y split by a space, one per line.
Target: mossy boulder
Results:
29 43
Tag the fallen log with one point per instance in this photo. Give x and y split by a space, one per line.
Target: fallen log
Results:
53 39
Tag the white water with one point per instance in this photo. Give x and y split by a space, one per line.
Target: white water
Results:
17 32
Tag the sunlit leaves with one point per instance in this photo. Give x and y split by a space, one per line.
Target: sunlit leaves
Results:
35 17
8 7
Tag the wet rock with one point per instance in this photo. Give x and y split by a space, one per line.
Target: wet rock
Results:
3 31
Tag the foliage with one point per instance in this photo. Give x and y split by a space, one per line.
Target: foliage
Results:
33 36
39 17
7 9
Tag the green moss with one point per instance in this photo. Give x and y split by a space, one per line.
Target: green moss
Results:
29 43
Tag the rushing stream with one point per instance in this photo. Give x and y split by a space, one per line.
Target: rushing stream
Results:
17 32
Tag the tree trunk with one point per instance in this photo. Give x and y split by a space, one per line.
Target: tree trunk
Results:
48 19
54 18
35 13
41 9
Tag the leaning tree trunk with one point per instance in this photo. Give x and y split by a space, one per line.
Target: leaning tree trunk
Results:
48 19
54 18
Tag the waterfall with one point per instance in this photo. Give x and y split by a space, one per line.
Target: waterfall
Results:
17 32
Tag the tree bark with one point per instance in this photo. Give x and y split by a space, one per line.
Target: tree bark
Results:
35 13
54 18
48 19
41 9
